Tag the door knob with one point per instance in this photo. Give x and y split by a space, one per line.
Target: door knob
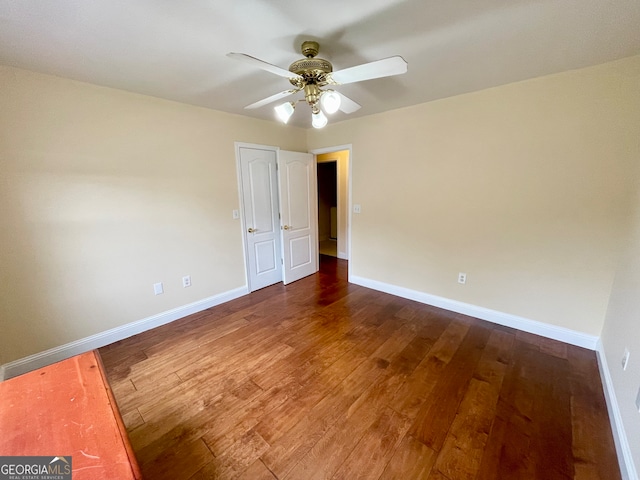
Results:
287 227
252 230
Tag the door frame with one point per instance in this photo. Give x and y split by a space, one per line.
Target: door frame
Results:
337 148
243 227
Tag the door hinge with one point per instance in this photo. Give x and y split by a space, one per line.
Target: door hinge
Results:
281 261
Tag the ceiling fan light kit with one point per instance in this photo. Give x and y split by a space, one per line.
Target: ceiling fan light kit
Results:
318 120
285 111
310 74
330 101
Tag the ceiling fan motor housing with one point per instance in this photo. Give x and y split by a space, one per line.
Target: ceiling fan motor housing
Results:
311 66
313 70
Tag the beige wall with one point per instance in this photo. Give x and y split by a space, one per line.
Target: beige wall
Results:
342 159
524 187
102 194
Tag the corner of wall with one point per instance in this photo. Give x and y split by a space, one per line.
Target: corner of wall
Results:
627 467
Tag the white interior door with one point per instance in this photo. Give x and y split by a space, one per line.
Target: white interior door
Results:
298 209
261 222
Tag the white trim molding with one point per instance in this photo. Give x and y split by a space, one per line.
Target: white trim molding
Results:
101 339
627 467
562 334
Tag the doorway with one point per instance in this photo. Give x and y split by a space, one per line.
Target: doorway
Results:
333 167
328 208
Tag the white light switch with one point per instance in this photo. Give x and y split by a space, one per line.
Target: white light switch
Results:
356 208
236 214
157 288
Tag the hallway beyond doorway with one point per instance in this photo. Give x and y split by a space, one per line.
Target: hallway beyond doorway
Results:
329 247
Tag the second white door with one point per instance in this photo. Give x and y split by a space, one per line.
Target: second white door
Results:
298 209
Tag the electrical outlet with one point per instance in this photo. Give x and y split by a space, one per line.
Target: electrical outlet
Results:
625 359
157 288
357 208
462 278
186 281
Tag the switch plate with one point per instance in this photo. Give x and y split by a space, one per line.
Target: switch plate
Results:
157 288
235 214
462 278
357 208
186 281
625 359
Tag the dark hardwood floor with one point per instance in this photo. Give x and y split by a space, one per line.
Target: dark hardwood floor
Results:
323 379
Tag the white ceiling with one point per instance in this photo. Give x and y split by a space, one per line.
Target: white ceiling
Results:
176 49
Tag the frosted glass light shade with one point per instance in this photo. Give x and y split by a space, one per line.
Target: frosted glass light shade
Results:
330 101
284 111
318 120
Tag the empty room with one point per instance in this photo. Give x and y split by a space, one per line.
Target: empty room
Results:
284 240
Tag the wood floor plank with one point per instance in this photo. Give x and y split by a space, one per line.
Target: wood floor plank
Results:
374 450
289 449
591 434
436 415
411 459
464 445
180 462
257 471
132 420
553 438
245 418
506 453
132 396
235 460
215 423
281 420
411 396
326 379
360 421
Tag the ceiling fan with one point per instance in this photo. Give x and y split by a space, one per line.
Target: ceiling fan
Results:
312 74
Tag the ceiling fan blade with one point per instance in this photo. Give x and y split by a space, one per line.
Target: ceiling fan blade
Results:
272 98
347 105
367 71
263 65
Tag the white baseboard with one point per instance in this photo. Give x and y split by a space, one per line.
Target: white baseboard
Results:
627 467
98 340
562 334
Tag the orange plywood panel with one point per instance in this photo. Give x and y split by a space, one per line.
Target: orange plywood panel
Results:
67 409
